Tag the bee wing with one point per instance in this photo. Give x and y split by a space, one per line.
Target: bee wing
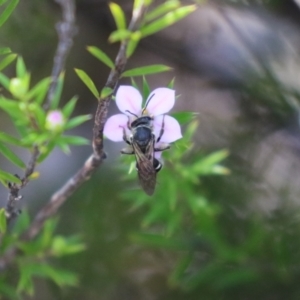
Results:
145 168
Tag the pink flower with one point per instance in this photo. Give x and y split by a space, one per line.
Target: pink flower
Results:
55 120
129 101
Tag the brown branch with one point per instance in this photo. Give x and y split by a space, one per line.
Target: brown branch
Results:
92 163
66 31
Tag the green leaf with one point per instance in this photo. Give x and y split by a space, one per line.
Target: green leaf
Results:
22 223
101 56
118 15
77 121
25 283
20 68
119 35
58 91
153 69
7 177
74 140
146 89
180 268
4 50
69 107
39 91
66 246
167 20
106 92
6 138
208 164
11 156
133 43
2 2
171 84
2 221
64 147
7 61
8 11
12 108
7 291
88 82
38 114
4 80
162 10
133 83
184 117
46 151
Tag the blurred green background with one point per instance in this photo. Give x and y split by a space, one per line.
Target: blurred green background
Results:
236 63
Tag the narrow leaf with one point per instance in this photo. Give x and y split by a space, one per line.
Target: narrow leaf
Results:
74 140
146 89
2 2
7 61
4 50
119 35
69 107
105 92
7 11
2 221
171 84
4 81
153 69
88 82
133 83
131 46
167 20
118 15
7 177
20 68
101 56
39 91
11 156
58 91
77 121
6 138
162 10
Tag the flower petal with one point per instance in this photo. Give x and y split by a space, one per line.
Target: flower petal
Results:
113 128
171 130
129 99
157 155
161 100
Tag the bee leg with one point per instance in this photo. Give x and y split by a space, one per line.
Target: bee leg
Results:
127 150
162 130
125 138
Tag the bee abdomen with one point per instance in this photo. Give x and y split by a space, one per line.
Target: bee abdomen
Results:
157 165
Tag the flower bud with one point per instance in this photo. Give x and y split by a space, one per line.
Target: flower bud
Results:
55 120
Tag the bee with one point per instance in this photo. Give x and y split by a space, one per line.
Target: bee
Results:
142 143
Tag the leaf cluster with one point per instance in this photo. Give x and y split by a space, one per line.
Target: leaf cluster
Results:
37 258
24 106
155 20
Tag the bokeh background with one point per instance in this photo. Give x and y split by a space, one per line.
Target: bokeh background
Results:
236 63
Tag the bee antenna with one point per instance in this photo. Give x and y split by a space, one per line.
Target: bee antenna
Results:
131 113
148 101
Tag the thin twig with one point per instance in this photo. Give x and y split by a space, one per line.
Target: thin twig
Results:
92 163
66 30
